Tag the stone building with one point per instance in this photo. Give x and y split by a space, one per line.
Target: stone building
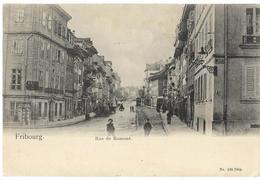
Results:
35 41
223 66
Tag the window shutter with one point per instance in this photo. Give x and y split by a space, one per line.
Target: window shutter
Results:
250 85
205 82
257 80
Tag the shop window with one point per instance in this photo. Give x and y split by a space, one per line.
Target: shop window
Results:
60 113
56 109
45 109
39 109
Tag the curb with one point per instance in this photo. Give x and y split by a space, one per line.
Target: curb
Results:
45 126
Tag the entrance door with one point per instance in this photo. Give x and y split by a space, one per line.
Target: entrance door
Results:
204 127
198 124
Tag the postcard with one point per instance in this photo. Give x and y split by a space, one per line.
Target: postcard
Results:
131 89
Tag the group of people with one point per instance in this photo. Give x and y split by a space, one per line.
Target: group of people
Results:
110 128
132 109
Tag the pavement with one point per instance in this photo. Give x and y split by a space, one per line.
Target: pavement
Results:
159 120
48 124
126 124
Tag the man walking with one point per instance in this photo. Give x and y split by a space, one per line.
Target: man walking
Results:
110 128
147 127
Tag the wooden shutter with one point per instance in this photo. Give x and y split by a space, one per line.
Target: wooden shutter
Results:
250 85
257 81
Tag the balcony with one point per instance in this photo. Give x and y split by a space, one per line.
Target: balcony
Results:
251 42
51 90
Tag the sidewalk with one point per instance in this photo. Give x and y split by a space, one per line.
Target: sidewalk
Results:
47 124
176 126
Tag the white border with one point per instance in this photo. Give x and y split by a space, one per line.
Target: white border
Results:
98 2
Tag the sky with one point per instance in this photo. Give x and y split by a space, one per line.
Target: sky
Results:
128 35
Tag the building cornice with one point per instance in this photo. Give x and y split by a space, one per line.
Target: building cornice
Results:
39 34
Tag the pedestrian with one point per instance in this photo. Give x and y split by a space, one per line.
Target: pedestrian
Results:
169 115
147 127
133 108
110 128
121 108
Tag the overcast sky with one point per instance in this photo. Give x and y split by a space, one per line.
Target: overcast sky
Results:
128 35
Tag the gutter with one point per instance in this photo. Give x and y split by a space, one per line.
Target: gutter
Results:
26 61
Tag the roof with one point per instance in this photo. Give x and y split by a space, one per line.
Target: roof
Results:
158 75
62 11
152 67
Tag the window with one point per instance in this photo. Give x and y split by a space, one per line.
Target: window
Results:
59 55
52 83
55 25
252 82
19 17
201 88
59 29
205 87
44 18
16 79
54 55
48 49
39 109
60 109
63 32
249 21
49 22
56 109
257 20
41 79
46 79
61 82
42 50
253 21
12 108
18 47
62 57
45 109
57 82
206 34
164 91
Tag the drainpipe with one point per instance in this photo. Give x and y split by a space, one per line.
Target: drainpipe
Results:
26 61
225 104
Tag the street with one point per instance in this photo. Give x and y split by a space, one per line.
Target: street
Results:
124 122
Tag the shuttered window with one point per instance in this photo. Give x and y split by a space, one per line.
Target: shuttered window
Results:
17 47
19 17
258 81
252 82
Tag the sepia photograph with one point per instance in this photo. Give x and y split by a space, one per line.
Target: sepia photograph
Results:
131 89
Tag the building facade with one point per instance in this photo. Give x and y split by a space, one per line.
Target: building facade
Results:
49 72
221 45
35 55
